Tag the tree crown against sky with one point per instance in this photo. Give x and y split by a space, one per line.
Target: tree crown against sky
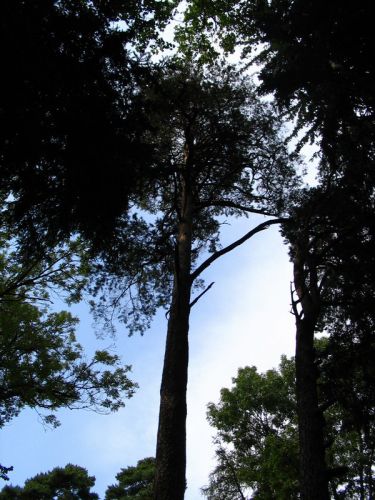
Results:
342 115
320 70
257 433
238 165
61 483
316 59
256 437
42 365
334 223
73 482
134 481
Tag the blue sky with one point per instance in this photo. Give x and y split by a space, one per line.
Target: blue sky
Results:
243 320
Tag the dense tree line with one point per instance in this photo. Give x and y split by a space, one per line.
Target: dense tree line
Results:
73 482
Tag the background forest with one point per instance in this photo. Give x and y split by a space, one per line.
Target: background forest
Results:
147 183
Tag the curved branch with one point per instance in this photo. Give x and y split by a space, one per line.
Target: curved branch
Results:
235 244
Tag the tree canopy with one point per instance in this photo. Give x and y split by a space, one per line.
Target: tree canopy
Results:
257 433
143 160
256 441
315 58
71 129
219 152
316 61
238 165
42 365
134 482
61 483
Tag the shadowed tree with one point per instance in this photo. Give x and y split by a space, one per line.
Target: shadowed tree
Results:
316 59
332 241
68 109
192 146
70 124
219 153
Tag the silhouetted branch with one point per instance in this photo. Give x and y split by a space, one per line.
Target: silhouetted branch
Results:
201 295
235 244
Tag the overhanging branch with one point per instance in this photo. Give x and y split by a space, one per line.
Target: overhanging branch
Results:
235 244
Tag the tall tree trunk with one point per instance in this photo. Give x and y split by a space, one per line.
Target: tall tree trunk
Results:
170 483
313 474
362 495
313 471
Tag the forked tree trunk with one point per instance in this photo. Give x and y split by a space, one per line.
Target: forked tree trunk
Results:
313 471
170 480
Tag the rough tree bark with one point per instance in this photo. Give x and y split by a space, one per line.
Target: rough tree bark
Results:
313 471
170 481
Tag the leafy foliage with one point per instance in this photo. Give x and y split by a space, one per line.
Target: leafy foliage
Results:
316 58
219 152
348 381
68 483
257 431
134 482
4 472
71 134
256 439
42 366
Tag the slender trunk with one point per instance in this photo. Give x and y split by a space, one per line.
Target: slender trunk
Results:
370 461
313 476
170 480
313 470
361 470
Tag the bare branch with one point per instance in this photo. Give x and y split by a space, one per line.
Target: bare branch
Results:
201 295
235 244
